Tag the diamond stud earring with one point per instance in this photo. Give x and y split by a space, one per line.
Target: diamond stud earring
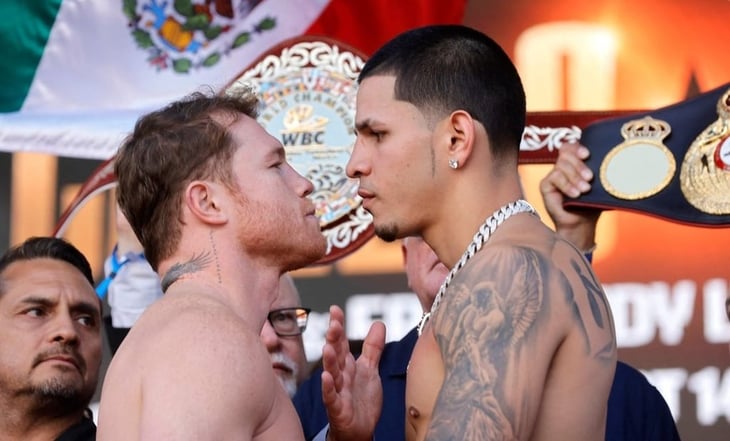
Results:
454 163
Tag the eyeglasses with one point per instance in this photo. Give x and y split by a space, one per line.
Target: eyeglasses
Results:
289 322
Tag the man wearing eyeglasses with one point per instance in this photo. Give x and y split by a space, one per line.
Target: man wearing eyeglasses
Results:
282 336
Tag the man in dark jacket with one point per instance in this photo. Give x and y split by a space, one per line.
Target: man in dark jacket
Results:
50 342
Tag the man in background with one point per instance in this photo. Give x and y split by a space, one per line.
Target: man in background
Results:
50 342
424 275
282 336
130 284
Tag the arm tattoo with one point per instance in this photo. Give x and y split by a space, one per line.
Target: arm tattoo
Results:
598 306
594 293
196 263
491 324
490 315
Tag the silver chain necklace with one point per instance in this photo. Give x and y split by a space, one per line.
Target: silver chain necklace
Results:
480 238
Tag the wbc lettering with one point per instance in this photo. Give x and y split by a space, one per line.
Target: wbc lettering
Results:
293 139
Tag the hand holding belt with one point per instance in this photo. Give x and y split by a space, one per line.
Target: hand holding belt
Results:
636 159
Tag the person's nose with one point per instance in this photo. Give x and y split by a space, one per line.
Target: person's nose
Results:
64 329
269 337
357 165
303 186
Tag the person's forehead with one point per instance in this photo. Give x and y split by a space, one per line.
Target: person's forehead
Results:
45 277
376 92
288 296
377 107
249 134
383 85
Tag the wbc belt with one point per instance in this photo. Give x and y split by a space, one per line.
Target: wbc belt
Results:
673 162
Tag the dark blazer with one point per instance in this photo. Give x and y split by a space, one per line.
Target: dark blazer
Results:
393 364
84 430
636 409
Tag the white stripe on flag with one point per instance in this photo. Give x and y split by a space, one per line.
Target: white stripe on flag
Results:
93 81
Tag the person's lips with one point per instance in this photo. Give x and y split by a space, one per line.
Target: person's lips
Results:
281 367
65 359
310 211
367 197
365 194
62 357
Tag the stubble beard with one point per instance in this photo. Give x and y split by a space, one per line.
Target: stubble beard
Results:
388 233
303 257
58 396
289 243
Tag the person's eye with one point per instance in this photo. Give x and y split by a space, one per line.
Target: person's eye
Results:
286 317
87 320
278 317
34 312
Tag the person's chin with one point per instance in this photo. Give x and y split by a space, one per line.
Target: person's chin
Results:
288 383
63 389
320 246
316 246
387 233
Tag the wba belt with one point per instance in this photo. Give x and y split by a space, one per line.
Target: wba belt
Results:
672 162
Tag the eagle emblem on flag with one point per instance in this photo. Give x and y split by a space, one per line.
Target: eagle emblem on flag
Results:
184 35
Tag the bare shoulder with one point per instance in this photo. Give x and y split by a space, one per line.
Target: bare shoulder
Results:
205 333
522 326
537 282
201 363
505 286
199 322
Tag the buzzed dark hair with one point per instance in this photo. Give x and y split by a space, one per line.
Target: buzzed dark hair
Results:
444 68
47 248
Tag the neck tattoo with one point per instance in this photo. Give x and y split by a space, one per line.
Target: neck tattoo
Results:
215 256
178 270
480 238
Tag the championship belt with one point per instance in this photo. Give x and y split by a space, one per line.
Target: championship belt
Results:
673 162
307 86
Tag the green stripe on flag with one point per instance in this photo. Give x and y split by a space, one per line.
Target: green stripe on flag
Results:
24 29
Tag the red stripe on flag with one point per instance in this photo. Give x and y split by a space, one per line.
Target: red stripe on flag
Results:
367 25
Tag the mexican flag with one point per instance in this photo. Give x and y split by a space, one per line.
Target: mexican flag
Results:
76 74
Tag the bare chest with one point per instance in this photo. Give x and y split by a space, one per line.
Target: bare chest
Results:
424 380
